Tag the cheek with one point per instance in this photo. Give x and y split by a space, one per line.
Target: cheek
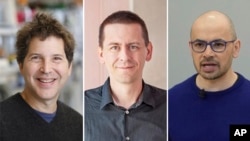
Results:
225 56
63 70
225 60
142 60
196 59
28 70
110 58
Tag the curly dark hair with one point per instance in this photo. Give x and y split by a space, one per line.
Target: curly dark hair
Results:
123 17
42 26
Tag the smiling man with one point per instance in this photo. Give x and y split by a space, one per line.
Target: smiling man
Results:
125 107
44 50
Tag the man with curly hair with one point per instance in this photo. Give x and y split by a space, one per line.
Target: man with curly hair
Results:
44 50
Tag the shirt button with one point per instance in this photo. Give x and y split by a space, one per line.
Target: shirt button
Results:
127 112
127 138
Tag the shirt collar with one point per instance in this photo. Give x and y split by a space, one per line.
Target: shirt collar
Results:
106 94
146 97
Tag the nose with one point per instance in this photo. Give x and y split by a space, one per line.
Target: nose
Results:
208 51
124 54
45 67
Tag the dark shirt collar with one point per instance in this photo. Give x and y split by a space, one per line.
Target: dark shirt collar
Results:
147 95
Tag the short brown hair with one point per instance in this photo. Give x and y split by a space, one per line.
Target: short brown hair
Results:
124 17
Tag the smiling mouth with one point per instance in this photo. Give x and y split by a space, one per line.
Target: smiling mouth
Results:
46 80
125 68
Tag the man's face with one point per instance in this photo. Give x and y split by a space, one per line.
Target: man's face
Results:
124 52
209 64
45 68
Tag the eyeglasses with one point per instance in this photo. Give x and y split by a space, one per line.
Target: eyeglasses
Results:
200 46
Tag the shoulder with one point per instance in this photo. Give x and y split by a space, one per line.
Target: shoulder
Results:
94 94
66 110
189 83
242 82
152 93
13 108
12 101
241 78
69 118
94 91
155 90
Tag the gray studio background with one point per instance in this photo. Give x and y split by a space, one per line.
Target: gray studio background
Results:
182 13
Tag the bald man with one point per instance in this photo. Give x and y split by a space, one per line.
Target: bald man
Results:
203 107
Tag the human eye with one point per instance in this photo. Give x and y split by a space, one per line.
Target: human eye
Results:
114 48
218 45
199 44
35 58
57 58
133 47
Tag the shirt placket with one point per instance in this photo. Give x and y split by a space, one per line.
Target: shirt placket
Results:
127 137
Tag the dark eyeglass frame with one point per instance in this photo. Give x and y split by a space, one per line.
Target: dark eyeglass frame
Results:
211 44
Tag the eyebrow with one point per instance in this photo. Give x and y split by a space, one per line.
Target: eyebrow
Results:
31 54
138 43
113 43
116 43
208 41
58 55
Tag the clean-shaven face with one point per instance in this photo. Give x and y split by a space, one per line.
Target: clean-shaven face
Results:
45 68
124 52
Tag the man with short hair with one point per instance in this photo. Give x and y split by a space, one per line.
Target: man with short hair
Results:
125 107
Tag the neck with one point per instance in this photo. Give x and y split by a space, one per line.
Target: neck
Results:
218 84
125 95
45 106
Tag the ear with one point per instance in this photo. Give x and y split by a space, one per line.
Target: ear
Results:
149 51
190 47
100 55
236 48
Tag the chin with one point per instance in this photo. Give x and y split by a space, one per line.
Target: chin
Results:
210 76
48 95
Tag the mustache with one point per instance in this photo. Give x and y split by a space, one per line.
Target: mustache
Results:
208 60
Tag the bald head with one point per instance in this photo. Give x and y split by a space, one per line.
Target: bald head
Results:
214 19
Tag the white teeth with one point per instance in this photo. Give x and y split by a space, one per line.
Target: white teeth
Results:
46 80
